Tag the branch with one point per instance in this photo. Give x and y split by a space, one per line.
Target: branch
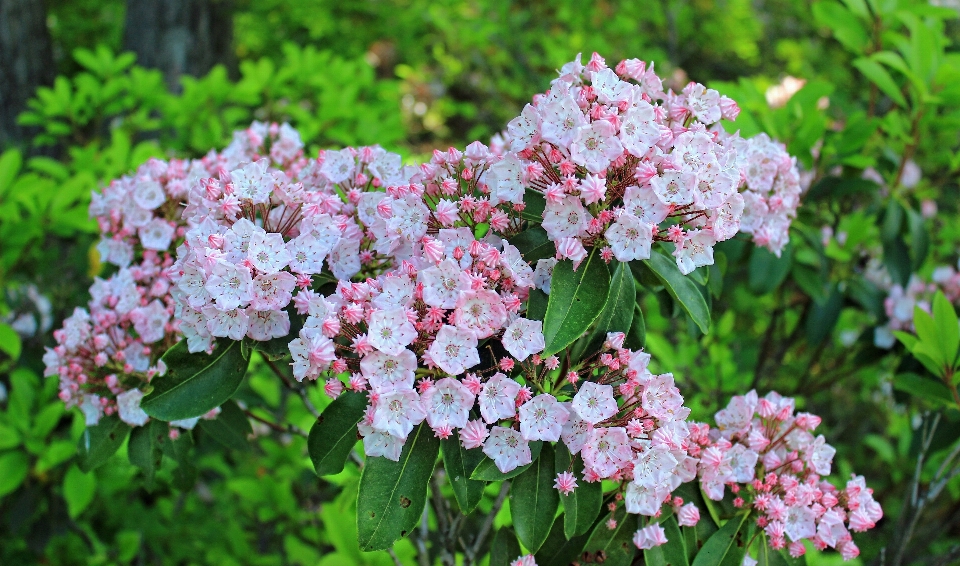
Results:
487 523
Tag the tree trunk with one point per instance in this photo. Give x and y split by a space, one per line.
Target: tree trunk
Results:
26 62
180 36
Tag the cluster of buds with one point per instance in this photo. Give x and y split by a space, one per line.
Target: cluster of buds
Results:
767 455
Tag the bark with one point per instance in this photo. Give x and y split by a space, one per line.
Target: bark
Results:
180 37
26 62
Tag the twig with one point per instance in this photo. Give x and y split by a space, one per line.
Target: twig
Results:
487 523
915 502
422 557
394 556
298 388
277 427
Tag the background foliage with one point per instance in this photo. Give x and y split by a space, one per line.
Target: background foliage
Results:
881 90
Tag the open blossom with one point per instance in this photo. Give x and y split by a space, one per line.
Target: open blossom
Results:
447 403
390 331
542 418
454 350
507 449
649 537
594 402
523 337
497 398
397 412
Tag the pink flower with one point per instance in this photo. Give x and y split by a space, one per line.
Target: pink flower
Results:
390 331
454 350
542 418
594 402
497 398
607 450
688 515
447 403
649 537
565 482
397 412
523 337
507 449
526 560
473 434
387 373
480 311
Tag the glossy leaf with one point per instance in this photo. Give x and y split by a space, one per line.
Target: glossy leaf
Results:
334 433
725 547
504 548
681 288
78 490
930 390
576 300
823 316
231 427
879 76
613 547
534 500
392 494
537 304
767 271
637 337
195 383
487 470
145 448
98 443
582 506
617 314
459 463
534 244
948 328
558 550
13 470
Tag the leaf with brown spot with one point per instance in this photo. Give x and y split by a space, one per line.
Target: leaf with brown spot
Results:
385 483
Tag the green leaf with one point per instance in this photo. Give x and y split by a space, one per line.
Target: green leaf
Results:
534 244
767 271
534 501
674 552
10 163
537 304
558 550
231 427
504 549
195 383
13 470
487 470
880 77
615 546
581 507
10 341
823 316
682 289
98 443
392 494
576 300
919 240
617 313
929 335
78 490
767 556
948 328
637 337
929 390
334 434
725 547
145 448
846 27
459 463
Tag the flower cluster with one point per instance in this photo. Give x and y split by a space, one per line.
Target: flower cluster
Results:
622 164
771 193
258 234
900 302
767 455
108 351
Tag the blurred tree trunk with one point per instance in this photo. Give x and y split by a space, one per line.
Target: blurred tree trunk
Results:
180 36
26 62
